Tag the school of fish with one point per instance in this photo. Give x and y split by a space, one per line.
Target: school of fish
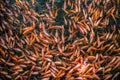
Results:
59 39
